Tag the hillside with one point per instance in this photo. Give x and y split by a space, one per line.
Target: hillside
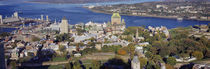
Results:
75 1
187 0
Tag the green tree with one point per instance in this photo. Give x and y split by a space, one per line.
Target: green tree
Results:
131 49
4 34
164 51
197 54
171 60
34 38
63 37
96 64
68 66
13 64
80 31
77 65
207 54
62 48
148 54
143 62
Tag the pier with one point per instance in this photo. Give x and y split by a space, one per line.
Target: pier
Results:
23 21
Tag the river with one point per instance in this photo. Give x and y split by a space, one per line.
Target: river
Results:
75 13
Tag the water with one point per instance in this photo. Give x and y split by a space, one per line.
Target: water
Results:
76 14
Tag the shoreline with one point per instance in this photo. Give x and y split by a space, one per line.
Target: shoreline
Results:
45 2
165 17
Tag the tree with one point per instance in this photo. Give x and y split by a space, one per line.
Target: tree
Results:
121 52
34 38
197 54
207 54
13 64
164 51
95 64
169 66
80 31
143 62
68 66
4 34
171 60
150 65
77 65
62 48
157 58
148 54
131 49
62 37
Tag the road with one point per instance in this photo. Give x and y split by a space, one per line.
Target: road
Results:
42 64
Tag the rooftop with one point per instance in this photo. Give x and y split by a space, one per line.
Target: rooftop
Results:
116 15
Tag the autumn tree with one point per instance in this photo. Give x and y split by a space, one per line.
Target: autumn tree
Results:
143 62
171 60
131 49
197 54
95 64
121 52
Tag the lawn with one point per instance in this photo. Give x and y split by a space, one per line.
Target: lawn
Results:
56 59
56 67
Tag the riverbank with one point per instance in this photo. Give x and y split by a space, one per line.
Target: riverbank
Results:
166 17
73 2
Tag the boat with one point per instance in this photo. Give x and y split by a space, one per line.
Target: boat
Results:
180 19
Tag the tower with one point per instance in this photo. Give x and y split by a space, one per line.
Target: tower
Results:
15 14
42 17
137 33
64 26
23 25
162 66
55 22
1 19
47 18
135 63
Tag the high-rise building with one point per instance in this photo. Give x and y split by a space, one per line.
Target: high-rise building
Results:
135 63
47 19
15 14
137 33
1 19
64 26
42 17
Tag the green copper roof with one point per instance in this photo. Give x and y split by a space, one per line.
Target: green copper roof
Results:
64 18
116 15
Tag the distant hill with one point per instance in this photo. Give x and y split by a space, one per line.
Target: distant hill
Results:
186 0
76 1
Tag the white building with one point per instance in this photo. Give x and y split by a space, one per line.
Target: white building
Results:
47 19
42 17
83 37
1 19
135 63
143 44
16 15
77 55
64 26
163 66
